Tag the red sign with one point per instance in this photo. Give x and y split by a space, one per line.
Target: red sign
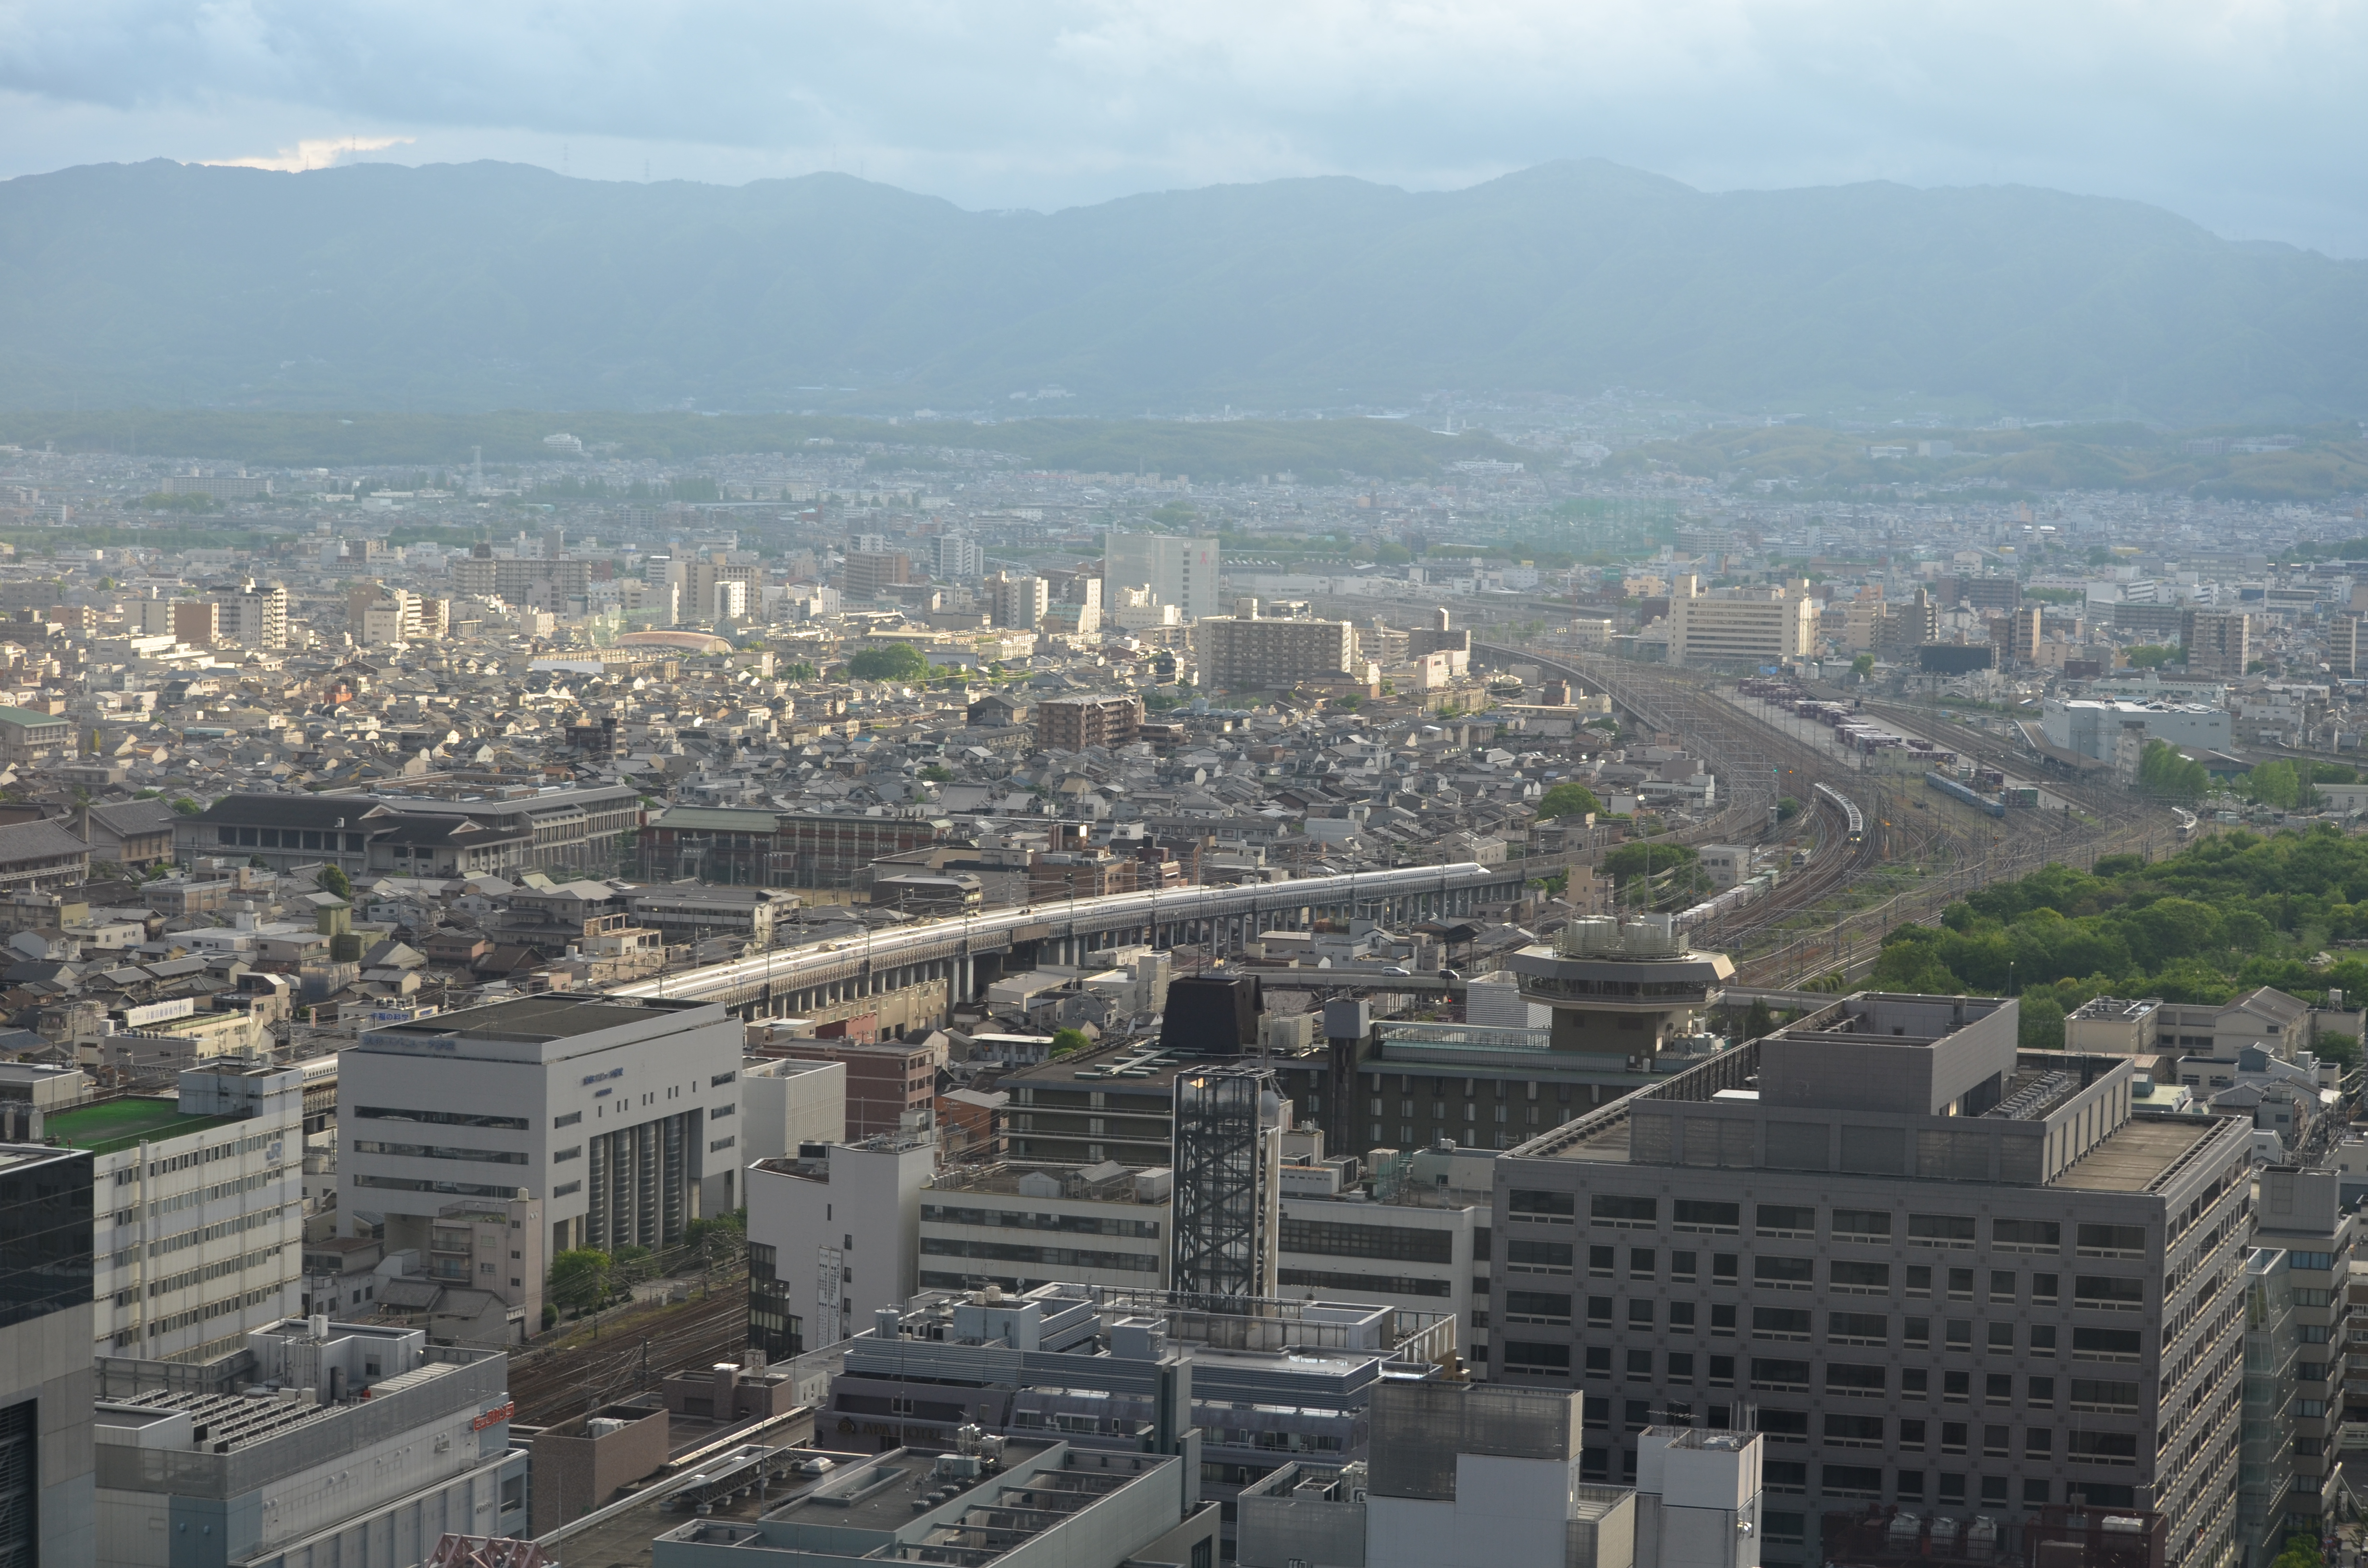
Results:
494 1417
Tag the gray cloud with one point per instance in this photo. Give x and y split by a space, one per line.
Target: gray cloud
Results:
2241 115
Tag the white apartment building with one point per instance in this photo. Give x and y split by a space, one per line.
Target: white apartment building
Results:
840 1233
1017 603
959 560
197 1209
1179 570
253 615
620 1115
1740 627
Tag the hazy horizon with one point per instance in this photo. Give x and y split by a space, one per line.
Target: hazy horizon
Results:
2238 118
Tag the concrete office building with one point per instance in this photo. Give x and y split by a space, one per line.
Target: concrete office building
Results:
1739 627
1017 1229
785 1103
1411 1233
2092 726
366 1447
2305 1236
889 1082
1241 1388
1947 1274
620 1115
200 1222
1471 1476
1179 570
46 1501
842 1224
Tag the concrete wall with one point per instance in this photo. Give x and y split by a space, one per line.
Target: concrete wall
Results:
46 1359
576 1473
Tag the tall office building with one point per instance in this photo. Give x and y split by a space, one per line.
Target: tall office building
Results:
1948 1274
618 1113
1179 570
1740 627
47 1507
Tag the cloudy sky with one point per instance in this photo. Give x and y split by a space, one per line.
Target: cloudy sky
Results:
2245 115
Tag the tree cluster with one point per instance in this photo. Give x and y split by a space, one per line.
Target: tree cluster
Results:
2237 911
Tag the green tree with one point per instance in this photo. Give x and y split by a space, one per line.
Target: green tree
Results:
1864 665
631 1265
333 880
184 806
1350 703
2274 784
2154 656
935 773
2331 1045
1066 1041
1787 808
2301 1552
1757 1020
578 1280
2167 773
799 670
1569 800
897 661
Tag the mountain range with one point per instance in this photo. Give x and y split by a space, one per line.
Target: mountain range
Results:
483 286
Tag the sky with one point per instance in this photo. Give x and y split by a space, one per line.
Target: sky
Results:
2243 115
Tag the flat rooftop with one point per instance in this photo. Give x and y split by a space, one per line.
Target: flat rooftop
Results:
880 1496
621 1538
531 1020
103 1127
2140 1152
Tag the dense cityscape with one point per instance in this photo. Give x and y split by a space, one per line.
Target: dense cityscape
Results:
1366 918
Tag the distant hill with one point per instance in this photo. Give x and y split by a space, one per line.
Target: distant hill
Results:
497 286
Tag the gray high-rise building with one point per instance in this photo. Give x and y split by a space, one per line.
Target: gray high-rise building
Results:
1947 1275
47 1503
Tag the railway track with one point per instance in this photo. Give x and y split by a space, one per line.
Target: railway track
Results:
552 1386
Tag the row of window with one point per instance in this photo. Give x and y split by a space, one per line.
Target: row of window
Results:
2101 1345
1843 1276
1017 1220
439 1151
439 1117
1048 1257
1784 1221
1399 1243
291 838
